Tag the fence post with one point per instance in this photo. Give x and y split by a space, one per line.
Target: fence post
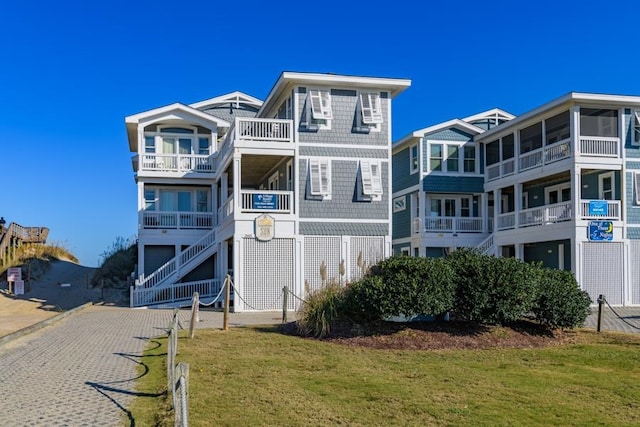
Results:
194 314
600 304
285 296
227 296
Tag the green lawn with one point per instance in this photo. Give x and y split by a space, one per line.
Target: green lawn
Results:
257 376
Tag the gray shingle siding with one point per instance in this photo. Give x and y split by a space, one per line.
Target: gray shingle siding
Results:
451 134
328 151
633 233
343 203
229 111
633 210
402 178
343 229
402 221
343 125
453 184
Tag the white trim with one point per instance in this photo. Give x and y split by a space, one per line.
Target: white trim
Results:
558 188
370 108
414 161
601 179
320 101
635 139
237 97
399 203
637 182
382 148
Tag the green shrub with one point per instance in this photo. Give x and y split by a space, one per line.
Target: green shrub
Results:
320 310
560 303
492 290
118 262
401 285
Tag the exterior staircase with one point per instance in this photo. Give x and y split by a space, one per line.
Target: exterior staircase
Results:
487 246
161 287
15 235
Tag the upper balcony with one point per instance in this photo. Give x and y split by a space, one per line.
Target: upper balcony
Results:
584 135
254 132
175 163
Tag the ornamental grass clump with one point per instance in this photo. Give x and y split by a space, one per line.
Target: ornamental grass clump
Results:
321 310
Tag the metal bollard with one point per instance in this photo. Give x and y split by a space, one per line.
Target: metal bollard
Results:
600 305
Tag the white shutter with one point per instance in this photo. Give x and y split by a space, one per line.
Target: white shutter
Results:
376 178
319 177
320 104
637 188
636 128
365 175
370 107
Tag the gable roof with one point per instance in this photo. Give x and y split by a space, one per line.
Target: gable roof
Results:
455 123
236 97
176 111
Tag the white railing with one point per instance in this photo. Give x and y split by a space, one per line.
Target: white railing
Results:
175 292
178 220
506 221
545 214
267 201
226 210
508 167
174 264
530 159
493 171
612 210
557 151
453 224
600 146
486 245
177 163
264 129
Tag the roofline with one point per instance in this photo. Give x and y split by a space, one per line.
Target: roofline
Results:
289 78
228 98
485 113
457 123
571 97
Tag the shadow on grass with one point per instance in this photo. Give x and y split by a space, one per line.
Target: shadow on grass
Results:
111 387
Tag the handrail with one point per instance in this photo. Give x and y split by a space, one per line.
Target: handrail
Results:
17 234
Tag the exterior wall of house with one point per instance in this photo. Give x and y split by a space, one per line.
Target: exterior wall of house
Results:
400 167
548 253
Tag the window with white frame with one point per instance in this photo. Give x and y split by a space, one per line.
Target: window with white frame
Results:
636 128
371 180
606 186
399 204
413 154
370 108
320 104
177 140
177 200
320 178
453 158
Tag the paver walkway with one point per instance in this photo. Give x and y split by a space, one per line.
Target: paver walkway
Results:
81 370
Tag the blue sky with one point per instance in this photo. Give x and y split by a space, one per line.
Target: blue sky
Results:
70 71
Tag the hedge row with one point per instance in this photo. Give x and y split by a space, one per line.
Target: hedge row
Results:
468 285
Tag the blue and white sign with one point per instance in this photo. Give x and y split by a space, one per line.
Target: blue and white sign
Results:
598 208
601 231
267 202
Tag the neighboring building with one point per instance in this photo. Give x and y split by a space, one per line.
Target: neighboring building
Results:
439 203
567 178
270 192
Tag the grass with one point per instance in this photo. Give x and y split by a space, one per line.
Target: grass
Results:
257 376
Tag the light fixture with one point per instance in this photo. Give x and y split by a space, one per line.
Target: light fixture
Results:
2 223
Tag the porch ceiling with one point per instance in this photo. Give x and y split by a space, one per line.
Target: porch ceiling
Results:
256 167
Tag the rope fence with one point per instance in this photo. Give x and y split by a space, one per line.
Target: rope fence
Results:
603 300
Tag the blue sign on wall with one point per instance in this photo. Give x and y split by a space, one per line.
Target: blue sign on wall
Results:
598 208
601 230
268 202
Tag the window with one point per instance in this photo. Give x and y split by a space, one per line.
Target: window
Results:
172 200
531 138
370 108
493 152
636 128
557 128
290 175
435 157
557 193
469 158
465 207
606 186
452 158
414 158
203 146
320 178
399 204
371 179
274 181
149 144
320 105
508 147
202 201
598 122
637 174
150 200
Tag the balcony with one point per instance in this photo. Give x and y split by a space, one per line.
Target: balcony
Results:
252 130
545 214
180 163
178 220
600 146
449 225
258 201
600 209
